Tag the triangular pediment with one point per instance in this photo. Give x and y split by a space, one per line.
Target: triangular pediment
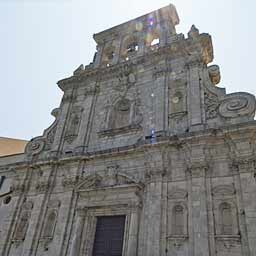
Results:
97 181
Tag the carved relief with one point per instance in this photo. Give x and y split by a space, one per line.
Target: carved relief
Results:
214 74
212 103
73 124
126 79
17 187
111 178
42 185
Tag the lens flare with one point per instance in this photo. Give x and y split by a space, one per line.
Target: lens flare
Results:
139 26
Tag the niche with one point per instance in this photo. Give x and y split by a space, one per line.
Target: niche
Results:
121 114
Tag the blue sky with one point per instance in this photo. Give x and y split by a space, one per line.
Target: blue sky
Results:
43 41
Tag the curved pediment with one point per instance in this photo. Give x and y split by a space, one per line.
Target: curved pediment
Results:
223 190
177 193
96 181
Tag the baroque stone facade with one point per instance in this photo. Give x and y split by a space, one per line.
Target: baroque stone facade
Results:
145 133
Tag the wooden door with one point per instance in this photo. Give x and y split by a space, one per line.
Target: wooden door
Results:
109 236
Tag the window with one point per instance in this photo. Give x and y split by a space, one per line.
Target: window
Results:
130 47
108 56
226 219
133 47
22 227
178 220
109 236
50 225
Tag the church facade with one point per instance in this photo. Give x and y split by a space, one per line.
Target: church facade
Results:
147 156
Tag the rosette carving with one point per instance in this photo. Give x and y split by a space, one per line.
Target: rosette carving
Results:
237 105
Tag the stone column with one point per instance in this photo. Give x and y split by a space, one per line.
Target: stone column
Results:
97 61
199 211
241 210
118 51
153 212
76 242
141 44
132 248
210 212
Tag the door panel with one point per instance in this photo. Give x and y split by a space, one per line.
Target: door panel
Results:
109 236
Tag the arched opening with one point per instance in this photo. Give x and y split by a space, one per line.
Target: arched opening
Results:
130 47
153 40
108 56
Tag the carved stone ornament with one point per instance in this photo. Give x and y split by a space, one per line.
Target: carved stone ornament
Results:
177 193
44 142
17 187
42 186
54 204
214 74
126 78
229 241
212 103
35 146
69 181
111 179
238 105
178 240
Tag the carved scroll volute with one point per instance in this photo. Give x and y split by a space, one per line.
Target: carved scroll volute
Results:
44 142
238 105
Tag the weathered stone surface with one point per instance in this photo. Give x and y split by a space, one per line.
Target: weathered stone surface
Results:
143 132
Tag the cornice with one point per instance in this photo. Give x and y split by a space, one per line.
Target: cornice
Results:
140 146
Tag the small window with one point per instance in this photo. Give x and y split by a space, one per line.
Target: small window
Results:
178 220
50 225
226 219
133 47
